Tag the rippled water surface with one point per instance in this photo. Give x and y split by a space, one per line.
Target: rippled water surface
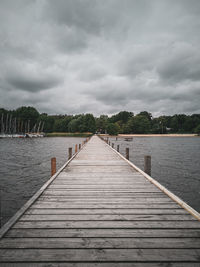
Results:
25 165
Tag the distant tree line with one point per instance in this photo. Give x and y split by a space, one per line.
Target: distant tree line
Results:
123 122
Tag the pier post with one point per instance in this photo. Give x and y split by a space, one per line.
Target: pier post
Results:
117 148
116 138
112 145
127 153
79 146
76 148
69 153
53 166
147 164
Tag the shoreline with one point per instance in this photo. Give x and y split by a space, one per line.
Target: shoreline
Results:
151 135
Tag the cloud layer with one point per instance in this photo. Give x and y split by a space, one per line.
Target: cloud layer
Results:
104 56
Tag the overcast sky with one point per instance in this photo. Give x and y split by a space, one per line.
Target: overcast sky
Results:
100 56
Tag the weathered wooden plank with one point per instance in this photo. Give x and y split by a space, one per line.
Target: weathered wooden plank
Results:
101 199
100 187
106 201
100 243
118 190
86 192
101 264
102 255
108 224
97 182
61 205
106 211
98 163
107 217
121 196
95 232
96 169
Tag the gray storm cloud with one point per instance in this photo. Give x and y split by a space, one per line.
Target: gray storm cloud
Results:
100 56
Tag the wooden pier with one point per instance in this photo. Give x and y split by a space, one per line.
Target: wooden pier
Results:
99 210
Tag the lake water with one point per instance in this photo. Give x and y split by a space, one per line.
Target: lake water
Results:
25 165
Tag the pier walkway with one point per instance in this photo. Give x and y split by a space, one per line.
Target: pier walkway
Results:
99 211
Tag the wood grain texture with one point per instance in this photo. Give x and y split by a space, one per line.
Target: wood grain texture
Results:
102 255
110 232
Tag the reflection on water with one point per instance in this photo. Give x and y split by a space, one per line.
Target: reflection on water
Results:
175 163
25 167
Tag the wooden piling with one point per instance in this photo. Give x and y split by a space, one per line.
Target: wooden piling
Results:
127 153
117 148
53 166
79 146
112 145
147 164
69 153
76 148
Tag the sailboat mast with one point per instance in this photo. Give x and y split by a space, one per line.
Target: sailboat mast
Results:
2 124
7 117
38 130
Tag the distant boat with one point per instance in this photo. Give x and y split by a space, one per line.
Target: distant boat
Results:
34 135
128 139
12 135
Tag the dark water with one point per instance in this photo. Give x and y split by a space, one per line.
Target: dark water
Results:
25 166
175 163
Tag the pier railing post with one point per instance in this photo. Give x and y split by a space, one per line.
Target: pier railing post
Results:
127 153
147 164
69 153
53 166
76 148
117 148
79 146
112 145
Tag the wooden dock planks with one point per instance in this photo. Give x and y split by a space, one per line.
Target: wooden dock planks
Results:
100 211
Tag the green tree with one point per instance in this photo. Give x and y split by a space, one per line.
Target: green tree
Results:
73 125
123 116
146 114
27 113
112 129
101 123
89 123
197 130
138 124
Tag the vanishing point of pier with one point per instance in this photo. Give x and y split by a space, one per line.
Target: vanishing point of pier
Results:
100 210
